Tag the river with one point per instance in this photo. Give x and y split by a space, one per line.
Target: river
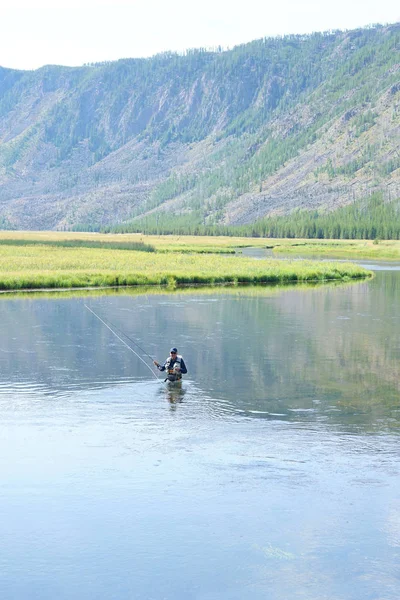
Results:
273 473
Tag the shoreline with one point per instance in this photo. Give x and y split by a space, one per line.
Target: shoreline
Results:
27 264
169 287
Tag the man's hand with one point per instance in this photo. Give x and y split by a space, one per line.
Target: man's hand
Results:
156 363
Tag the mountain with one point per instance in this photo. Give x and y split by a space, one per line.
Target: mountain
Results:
209 137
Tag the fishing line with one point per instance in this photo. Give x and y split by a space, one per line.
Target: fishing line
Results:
125 344
128 338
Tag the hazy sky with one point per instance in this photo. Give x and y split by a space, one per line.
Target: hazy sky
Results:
71 32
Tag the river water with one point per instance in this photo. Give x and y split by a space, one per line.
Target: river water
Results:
273 473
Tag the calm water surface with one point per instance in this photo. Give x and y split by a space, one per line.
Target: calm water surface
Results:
272 474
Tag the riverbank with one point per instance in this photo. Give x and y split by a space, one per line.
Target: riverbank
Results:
40 266
377 249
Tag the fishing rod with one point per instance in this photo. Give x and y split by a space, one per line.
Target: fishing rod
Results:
128 338
125 344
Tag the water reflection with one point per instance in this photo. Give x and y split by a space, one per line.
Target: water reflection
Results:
329 353
271 472
174 393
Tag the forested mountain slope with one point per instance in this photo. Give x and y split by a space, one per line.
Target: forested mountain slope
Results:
208 137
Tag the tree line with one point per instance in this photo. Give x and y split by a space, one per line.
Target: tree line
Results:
369 219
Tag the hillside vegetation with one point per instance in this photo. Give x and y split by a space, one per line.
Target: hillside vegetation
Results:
206 139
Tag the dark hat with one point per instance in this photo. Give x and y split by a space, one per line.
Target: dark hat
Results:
175 350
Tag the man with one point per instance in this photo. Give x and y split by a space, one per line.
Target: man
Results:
174 365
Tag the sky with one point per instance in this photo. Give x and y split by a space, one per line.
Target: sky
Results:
34 33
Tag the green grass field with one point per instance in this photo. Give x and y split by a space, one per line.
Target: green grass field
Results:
379 250
384 249
27 265
130 241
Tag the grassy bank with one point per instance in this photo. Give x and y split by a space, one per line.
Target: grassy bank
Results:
79 243
378 250
385 249
40 266
134 241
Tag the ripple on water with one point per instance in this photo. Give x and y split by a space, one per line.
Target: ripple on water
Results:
244 473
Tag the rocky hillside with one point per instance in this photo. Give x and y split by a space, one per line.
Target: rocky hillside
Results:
208 137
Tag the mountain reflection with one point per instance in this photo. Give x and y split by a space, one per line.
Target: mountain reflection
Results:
324 353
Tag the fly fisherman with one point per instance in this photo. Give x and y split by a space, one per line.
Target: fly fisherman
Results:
174 365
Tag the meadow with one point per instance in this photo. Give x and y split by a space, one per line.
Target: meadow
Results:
29 264
379 249
130 241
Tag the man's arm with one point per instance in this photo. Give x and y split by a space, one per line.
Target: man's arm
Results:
159 367
183 366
